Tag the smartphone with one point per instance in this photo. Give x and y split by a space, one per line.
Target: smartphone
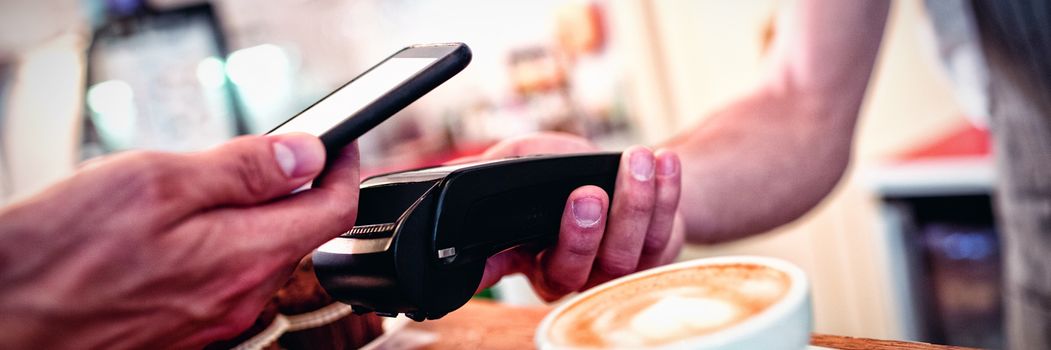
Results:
372 97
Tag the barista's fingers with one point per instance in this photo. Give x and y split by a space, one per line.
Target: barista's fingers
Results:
521 259
678 237
465 159
543 143
629 219
565 267
664 210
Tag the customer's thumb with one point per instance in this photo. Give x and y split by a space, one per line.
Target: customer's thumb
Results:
253 169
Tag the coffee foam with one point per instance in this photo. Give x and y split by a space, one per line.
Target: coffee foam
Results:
672 305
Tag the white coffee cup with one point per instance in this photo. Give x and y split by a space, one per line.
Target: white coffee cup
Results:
762 303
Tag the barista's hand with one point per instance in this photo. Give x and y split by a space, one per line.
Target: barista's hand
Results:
643 229
162 250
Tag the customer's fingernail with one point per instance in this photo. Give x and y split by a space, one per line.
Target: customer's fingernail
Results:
667 165
298 155
587 211
642 165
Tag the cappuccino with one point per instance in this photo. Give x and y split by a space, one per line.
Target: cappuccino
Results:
677 303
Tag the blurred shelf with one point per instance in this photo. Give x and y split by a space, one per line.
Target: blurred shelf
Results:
937 216
933 177
957 163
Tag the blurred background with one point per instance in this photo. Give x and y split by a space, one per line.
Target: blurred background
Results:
905 248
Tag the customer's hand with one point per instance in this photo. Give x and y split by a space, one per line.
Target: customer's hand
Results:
643 228
162 250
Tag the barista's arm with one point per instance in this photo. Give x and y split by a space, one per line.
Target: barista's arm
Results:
771 156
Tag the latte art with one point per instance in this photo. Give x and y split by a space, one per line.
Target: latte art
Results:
669 306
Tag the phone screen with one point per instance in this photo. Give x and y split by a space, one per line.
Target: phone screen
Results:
354 96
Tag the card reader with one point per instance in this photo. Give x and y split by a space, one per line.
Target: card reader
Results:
421 237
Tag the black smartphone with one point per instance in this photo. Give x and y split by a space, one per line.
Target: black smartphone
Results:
372 97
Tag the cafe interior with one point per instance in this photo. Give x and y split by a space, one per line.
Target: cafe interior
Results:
905 248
